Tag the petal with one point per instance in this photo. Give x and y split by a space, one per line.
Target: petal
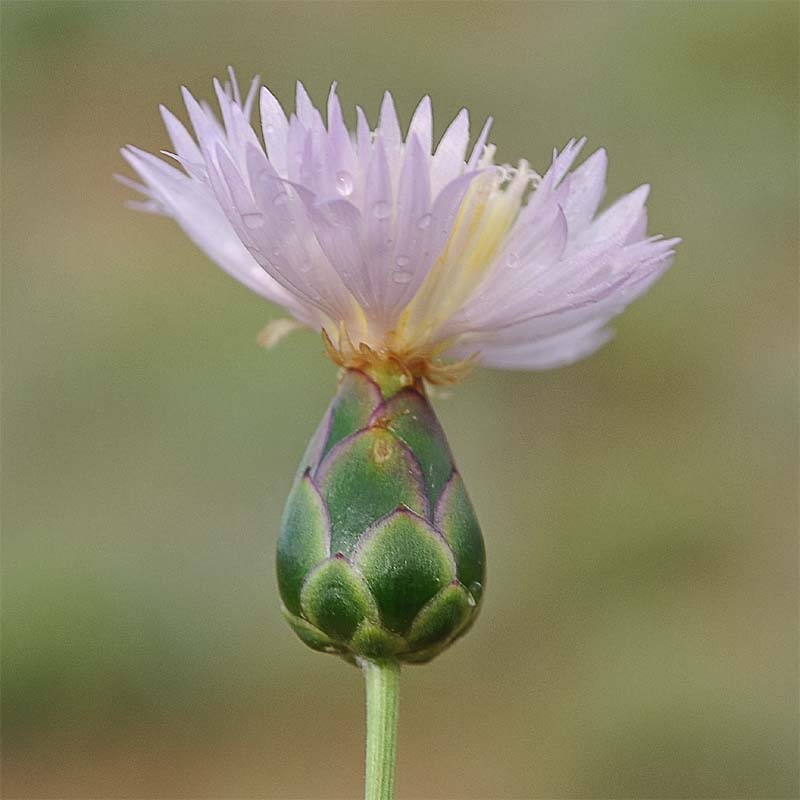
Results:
250 99
439 227
378 221
639 228
288 237
389 131
337 226
275 128
225 102
198 213
363 134
586 189
413 257
341 144
620 219
564 160
564 310
477 151
549 185
296 137
271 242
421 125
445 209
206 128
305 109
555 351
185 146
448 160
531 250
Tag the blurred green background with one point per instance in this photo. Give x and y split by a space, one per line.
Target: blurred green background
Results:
639 637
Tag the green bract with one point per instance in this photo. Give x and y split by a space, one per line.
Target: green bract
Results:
380 554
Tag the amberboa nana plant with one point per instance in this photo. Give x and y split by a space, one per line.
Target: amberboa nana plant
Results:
415 263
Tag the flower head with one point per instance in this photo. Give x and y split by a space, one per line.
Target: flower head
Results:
400 252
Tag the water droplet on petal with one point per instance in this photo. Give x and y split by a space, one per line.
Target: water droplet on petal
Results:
304 265
512 260
280 199
424 222
382 210
471 601
344 183
475 588
253 220
269 130
402 261
402 276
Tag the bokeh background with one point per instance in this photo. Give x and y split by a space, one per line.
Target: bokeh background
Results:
640 632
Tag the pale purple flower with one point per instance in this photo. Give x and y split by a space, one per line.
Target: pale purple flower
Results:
417 252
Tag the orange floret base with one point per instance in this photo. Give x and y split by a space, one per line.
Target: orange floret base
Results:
390 364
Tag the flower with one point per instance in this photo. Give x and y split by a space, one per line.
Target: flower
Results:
399 252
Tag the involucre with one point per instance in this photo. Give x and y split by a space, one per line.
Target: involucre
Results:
380 554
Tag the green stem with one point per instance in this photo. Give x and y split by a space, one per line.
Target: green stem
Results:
383 695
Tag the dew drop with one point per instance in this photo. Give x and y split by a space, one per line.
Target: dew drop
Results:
253 220
382 210
475 591
402 261
471 601
280 199
304 265
344 183
424 222
269 130
402 276
512 260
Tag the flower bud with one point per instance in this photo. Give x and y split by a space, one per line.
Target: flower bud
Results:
380 554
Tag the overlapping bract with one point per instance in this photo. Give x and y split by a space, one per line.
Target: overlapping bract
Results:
380 554
399 244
